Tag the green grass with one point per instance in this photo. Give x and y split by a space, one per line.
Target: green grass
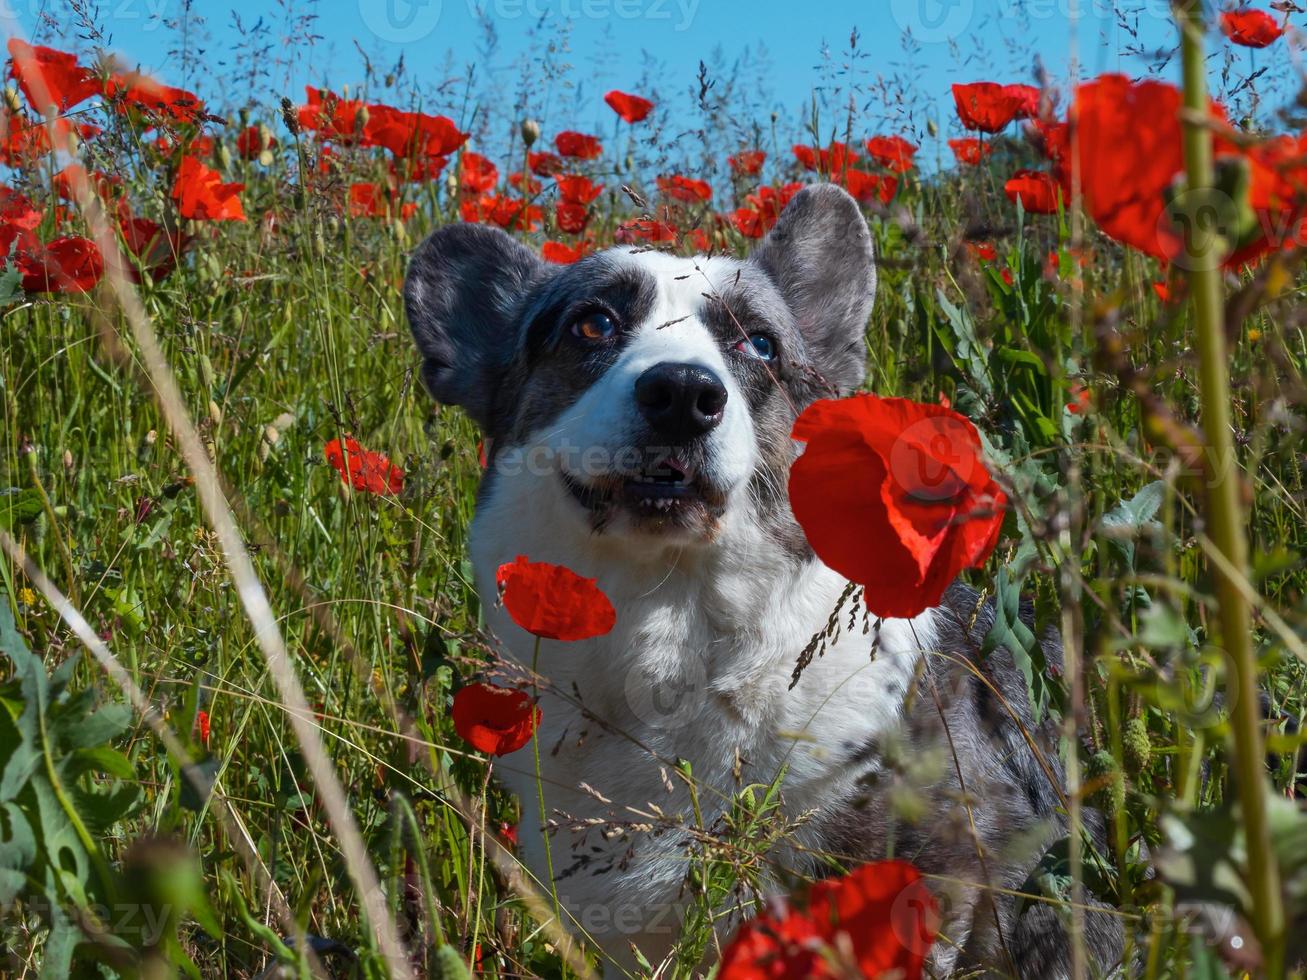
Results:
284 341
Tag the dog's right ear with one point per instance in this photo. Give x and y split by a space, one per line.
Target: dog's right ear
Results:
464 286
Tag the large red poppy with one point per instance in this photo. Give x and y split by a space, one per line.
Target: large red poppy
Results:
153 246
504 211
870 188
645 230
1131 150
200 193
685 189
253 140
577 189
1037 191
893 152
571 218
561 253
49 77
1028 98
894 495
18 219
747 163
331 115
545 164
65 265
362 469
578 145
1251 27
553 602
832 159
157 100
881 915
478 174
411 134
494 720
986 106
632 108
970 151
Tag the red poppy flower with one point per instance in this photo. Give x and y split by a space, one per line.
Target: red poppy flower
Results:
479 174
253 140
1028 98
554 602
986 106
748 222
571 218
1251 27
65 265
202 726
562 253
699 240
645 230
1081 400
158 100
105 186
685 189
367 201
747 163
49 77
881 914
201 194
892 152
970 151
576 189
632 108
1130 149
1037 191
894 495
502 210
525 183
1163 291
18 219
578 145
332 116
24 142
985 251
362 469
867 188
411 135
494 720
153 247
508 831
831 160
545 164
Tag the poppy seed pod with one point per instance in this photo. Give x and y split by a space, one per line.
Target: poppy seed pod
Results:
530 132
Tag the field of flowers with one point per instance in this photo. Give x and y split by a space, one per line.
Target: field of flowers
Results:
251 719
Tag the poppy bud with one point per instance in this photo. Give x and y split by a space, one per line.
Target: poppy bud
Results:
932 127
265 158
451 181
68 461
530 131
389 80
12 102
289 117
224 156
361 120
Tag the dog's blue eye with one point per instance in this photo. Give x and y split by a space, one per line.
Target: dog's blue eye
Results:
759 345
594 326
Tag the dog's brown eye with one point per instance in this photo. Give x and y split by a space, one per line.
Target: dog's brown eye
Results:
594 326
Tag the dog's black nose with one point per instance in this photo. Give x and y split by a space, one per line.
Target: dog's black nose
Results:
680 401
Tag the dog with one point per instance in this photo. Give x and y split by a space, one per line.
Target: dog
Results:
638 409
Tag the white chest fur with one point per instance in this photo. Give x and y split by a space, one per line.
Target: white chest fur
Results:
697 668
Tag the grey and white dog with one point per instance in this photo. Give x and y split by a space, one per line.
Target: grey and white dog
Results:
639 409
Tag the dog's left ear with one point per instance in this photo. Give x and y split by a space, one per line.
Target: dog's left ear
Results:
821 258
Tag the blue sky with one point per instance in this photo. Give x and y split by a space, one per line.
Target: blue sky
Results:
550 52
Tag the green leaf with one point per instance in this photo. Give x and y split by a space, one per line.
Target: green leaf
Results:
19 507
1010 632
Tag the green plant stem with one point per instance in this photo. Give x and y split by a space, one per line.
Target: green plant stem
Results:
540 789
1224 512
56 530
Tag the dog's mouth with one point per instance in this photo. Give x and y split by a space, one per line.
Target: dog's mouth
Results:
664 495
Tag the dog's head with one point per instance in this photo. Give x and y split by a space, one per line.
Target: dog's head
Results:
654 394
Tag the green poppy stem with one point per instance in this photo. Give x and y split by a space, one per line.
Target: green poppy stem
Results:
1224 511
